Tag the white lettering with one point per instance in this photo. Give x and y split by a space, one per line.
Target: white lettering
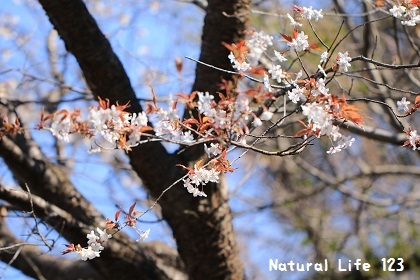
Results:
273 265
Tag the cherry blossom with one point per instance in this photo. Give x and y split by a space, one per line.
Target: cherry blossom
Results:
266 116
258 44
292 21
300 43
61 127
212 150
414 139
241 66
403 105
343 60
397 11
324 57
296 94
310 13
266 82
280 56
277 73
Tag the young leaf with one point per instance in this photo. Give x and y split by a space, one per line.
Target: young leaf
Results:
117 215
130 211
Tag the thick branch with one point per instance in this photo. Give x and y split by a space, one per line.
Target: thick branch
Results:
101 68
378 134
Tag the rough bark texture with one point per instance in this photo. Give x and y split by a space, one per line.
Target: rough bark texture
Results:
202 227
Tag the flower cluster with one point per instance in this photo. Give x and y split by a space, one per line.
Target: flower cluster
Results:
245 55
97 240
228 114
408 15
114 124
94 248
413 139
212 150
169 127
200 176
322 110
257 45
343 61
310 13
299 42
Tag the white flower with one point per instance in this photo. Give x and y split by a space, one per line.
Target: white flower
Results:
413 138
310 13
257 45
300 43
398 11
60 127
344 143
213 175
205 103
97 247
92 238
107 122
277 73
279 56
185 136
324 57
266 116
200 176
318 115
88 253
320 88
103 236
260 40
267 83
296 94
187 183
139 119
257 122
412 17
202 194
213 150
343 60
403 105
144 235
237 65
292 21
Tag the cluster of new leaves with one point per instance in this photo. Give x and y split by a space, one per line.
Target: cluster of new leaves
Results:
9 128
96 241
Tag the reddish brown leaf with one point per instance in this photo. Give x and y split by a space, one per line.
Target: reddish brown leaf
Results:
130 211
117 215
417 100
295 32
178 64
286 37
